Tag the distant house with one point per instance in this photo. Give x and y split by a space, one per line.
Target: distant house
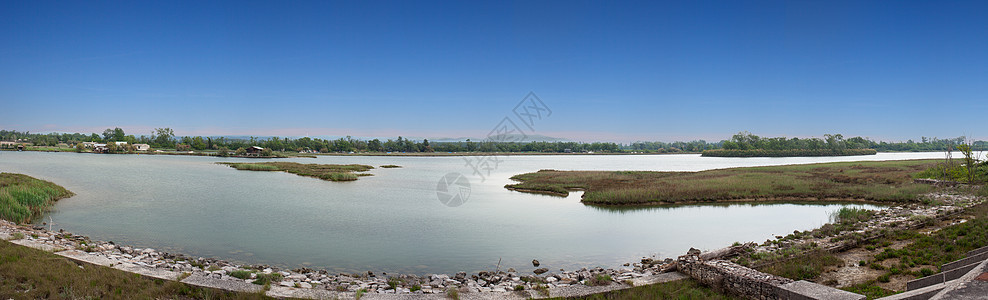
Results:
89 145
120 143
100 148
7 144
254 150
142 147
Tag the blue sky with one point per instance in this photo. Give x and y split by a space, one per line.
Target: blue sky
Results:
651 70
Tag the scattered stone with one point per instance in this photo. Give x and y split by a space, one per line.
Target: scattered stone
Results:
539 271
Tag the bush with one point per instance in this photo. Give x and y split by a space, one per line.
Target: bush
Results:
266 279
240 274
600 279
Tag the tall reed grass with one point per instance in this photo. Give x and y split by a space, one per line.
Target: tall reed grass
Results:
24 198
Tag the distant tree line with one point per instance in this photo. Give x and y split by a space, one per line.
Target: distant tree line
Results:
165 138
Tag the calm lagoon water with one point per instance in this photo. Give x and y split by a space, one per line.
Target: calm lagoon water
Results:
393 221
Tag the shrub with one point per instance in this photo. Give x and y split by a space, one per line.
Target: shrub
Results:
266 279
242 274
600 279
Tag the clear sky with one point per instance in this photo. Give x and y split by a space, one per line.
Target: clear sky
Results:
627 71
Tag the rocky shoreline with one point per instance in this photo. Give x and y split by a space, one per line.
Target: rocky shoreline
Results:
184 268
505 284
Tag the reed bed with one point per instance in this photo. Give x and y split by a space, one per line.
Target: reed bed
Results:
887 181
329 172
24 198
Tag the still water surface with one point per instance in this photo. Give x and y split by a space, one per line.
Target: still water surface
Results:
393 221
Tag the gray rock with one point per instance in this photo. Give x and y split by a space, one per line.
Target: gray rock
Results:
539 271
535 263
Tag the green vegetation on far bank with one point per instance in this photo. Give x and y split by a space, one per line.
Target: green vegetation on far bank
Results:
27 273
24 198
166 139
787 152
322 171
745 144
881 181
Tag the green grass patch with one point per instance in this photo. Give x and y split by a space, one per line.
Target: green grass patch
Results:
870 290
882 181
945 245
242 274
24 198
35 274
266 279
803 267
329 172
687 289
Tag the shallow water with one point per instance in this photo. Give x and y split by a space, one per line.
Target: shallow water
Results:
394 221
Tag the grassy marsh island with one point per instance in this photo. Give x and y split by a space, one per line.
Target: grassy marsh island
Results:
328 172
24 198
880 181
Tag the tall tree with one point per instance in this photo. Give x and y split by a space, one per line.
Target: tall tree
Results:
163 137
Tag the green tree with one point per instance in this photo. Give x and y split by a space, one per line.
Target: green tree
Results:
163 137
198 143
969 160
108 135
240 151
111 147
118 134
80 147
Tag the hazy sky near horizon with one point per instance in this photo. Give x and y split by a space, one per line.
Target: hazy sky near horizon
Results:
609 71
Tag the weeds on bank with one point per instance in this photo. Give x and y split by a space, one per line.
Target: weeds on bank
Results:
804 267
35 274
687 289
